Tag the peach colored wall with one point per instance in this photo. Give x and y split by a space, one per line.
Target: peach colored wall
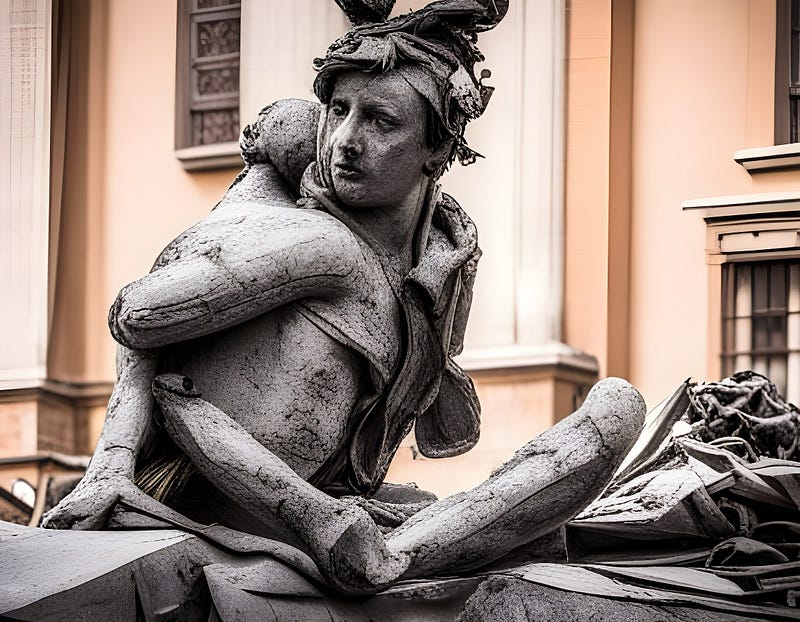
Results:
702 88
619 188
586 192
75 347
128 195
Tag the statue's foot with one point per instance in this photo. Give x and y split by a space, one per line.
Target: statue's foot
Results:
352 552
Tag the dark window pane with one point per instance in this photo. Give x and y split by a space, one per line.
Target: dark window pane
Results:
728 335
761 333
794 109
216 38
215 126
743 281
764 286
769 333
777 332
777 286
760 287
728 291
212 4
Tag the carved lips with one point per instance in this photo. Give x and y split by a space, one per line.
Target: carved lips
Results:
347 170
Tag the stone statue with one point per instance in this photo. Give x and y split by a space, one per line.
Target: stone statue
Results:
280 349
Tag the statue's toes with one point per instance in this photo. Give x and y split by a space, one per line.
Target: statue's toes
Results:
175 384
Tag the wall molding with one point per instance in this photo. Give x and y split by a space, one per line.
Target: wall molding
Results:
772 158
72 394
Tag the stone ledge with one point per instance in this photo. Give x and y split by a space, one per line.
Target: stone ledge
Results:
523 356
210 157
762 159
744 205
79 394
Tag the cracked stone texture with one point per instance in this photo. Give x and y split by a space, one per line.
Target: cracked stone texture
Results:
274 329
515 600
547 482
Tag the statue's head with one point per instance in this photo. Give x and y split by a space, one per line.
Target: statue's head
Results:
376 138
398 94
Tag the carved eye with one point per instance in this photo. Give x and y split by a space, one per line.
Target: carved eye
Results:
338 110
383 123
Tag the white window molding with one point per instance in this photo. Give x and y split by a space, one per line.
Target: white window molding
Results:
520 356
756 205
749 226
766 159
210 157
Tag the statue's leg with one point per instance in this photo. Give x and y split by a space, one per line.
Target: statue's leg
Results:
546 483
341 537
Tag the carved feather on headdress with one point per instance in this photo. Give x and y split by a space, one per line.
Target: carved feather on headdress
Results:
366 11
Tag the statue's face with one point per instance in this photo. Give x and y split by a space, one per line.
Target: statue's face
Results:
375 134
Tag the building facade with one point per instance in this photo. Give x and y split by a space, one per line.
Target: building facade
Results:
637 205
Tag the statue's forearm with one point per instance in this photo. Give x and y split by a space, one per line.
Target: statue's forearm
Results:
342 538
231 458
129 414
269 256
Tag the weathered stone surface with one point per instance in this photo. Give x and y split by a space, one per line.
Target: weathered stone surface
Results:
127 429
57 575
280 349
546 483
515 600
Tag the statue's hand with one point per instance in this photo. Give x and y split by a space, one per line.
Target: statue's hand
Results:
387 515
351 551
89 504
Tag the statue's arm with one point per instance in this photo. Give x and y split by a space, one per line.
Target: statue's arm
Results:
125 430
232 271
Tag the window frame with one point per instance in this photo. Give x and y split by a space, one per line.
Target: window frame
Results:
196 157
742 228
787 129
740 347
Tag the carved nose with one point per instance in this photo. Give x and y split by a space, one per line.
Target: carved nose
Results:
347 140
350 149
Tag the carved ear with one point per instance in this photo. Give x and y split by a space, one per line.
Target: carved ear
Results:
366 11
451 425
434 165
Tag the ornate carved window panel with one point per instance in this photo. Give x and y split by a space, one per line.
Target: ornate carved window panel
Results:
207 83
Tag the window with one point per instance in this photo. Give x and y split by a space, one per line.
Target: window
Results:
207 81
787 72
753 258
761 321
